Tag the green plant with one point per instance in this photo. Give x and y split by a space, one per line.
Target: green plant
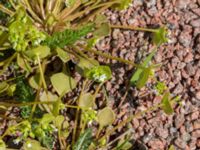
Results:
38 31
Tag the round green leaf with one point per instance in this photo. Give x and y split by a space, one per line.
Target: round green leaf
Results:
86 100
106 117
41 51
62 83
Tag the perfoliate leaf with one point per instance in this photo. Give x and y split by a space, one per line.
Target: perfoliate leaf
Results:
41 51
160 36
123 4
106 116
86 100
63 55
98 73
84 141
3 87
166 104
144 76
138 72
62 83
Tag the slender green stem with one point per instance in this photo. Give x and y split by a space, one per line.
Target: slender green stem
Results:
77 113
6 10
7 63
36 103
119 137
130 119
41 3
72 17
42 73
13 4
133 28
67 11
110 57
98 131
97 91
29 8
57 7
9 118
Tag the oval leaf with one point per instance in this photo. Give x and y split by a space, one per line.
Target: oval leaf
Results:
62 83
143 78
106 117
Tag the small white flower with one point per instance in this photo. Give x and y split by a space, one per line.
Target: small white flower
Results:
29 145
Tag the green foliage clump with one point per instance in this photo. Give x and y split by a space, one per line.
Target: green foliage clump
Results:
22 33
67 37
84 140
23 92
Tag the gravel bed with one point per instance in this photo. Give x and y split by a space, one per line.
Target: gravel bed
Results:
180 59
